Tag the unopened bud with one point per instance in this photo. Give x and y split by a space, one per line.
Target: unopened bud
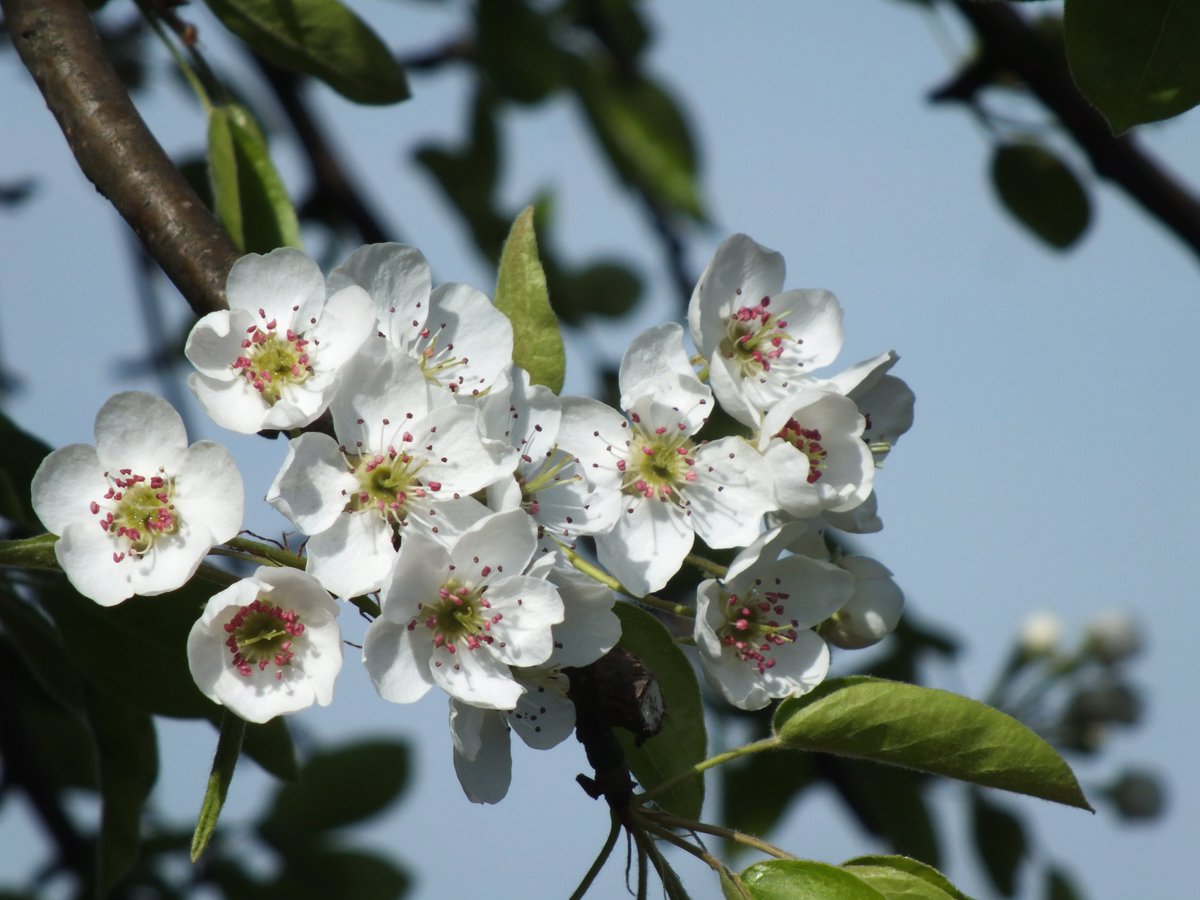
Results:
872 612
1040 634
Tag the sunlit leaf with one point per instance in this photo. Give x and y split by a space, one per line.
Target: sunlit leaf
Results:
795 879
1136 61
522 296
1041 192
321 38
903 878
682 742
929 730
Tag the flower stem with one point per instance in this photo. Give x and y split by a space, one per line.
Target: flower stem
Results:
706 565
254 551
601 859
728 834
594 571
770 743
229 746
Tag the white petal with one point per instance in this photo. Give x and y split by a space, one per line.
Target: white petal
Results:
544 717
285 284
352 556
377 385
345 323
216 341
420 569
648 544
209 489
398 280
231 404
502 543
656 354
482 752
312 487
732 492
740 272
589 628
465 326
140 432
397 661
474 676
64 485
598 436
528 607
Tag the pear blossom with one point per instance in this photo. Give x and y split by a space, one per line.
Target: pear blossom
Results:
754 627
462 342
137 513
812 441
886 402
761 342
267 645
460 617
406 457
672 487
873 610
271 360
544 715
549 482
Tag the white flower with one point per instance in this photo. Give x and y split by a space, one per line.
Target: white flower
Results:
886 401
460 617
761 344
753 629
405 458
873 610
268 645
271 359
544 715
549 481
138 512
813 443
672 488
462 342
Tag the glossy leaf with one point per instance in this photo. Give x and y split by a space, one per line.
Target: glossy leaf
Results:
1136 61
1041 192
338 787
1000 842
682 742
522 296
929 730
903 878
321 38
250 200
795 879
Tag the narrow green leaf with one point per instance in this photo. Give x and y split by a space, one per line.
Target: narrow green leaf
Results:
250 198
522 296
797 879
1041 192
321 38
1136 61
229 747
682 742
1000 842
338 787
31 553
903 878
928 730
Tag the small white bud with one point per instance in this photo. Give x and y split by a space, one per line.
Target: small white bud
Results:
1113 636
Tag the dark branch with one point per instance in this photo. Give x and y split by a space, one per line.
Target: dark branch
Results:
116 151
1009 43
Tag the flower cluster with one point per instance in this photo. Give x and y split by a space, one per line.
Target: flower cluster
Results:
453 490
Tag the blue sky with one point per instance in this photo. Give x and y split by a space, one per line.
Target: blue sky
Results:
1046 468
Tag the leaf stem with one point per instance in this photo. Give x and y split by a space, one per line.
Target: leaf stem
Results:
770 743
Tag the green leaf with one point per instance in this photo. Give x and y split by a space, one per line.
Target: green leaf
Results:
338 787
929 730
643 133
321 38
328 872
250 199
521 295
1000 842
1136 61
1060 887
514 48
903 878
20 455
229 747
604 289
1041 192
127 753
682 742
796 879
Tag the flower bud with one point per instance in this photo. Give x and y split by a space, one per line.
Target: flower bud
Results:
1040 634
1113 636
872 612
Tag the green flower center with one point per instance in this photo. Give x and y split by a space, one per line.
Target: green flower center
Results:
754 338
459 617
752 629
137 511
262 634
388 483
271 361
660 463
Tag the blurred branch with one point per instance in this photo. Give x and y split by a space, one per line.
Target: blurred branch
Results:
59 46
332 187
1007 42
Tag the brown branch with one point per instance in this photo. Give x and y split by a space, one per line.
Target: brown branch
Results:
1008 42
116 151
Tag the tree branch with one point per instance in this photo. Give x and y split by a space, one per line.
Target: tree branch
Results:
1009 42
59 46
